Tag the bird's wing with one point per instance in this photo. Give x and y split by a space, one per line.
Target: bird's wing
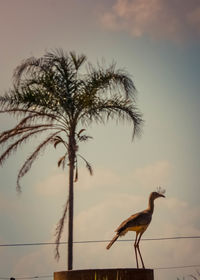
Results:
138 219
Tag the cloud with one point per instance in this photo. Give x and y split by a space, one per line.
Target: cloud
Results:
100 220
52 185
102 177
40 261
172 217
57 182
173 20
149 176
4 202
152 175
184 219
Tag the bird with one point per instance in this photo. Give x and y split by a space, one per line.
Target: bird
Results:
138 222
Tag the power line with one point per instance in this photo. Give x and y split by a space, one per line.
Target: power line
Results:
34 277
97 241
50 276
176 267
26 277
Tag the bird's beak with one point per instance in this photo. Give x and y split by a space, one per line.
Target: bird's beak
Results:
162 195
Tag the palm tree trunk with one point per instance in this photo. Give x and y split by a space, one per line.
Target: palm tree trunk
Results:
71 155
71 214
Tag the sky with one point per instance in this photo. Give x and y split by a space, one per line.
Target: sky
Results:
158 43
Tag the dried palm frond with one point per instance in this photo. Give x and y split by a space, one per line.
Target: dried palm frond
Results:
15 145
62 161
76 172
28 163
17 131
20 111
58 140
88 165
59 230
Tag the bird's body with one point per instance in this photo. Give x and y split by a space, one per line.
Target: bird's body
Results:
138 223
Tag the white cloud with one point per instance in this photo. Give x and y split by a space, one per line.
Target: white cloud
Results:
40 261
149 176
102 177
173 20
4 202
172 217
181 218
101 219
52 185
152 175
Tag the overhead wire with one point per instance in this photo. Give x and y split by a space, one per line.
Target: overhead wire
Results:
50 276
176 267
97 241
26 277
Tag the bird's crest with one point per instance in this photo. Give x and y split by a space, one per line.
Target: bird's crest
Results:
160 190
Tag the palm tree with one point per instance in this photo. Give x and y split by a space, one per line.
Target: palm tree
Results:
52 95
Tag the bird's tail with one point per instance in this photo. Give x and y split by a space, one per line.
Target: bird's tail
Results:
112 241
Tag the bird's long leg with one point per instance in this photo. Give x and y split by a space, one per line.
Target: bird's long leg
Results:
135 247
138 248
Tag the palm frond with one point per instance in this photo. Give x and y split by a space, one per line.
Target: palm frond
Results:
108 79
29 119
62 161
58 140
77 60
80 132
13 147
51 84
88 165
59 230
17 131
117 108
28 163
33 113
27 66
23 112
82 137
76 172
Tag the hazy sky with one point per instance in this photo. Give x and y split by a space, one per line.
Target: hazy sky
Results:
158 43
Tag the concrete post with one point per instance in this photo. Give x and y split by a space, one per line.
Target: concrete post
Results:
106 274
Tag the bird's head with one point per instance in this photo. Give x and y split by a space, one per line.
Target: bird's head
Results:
155 195
159 193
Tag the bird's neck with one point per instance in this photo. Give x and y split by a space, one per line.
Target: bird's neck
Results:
151 205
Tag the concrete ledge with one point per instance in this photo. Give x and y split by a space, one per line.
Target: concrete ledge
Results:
106 274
